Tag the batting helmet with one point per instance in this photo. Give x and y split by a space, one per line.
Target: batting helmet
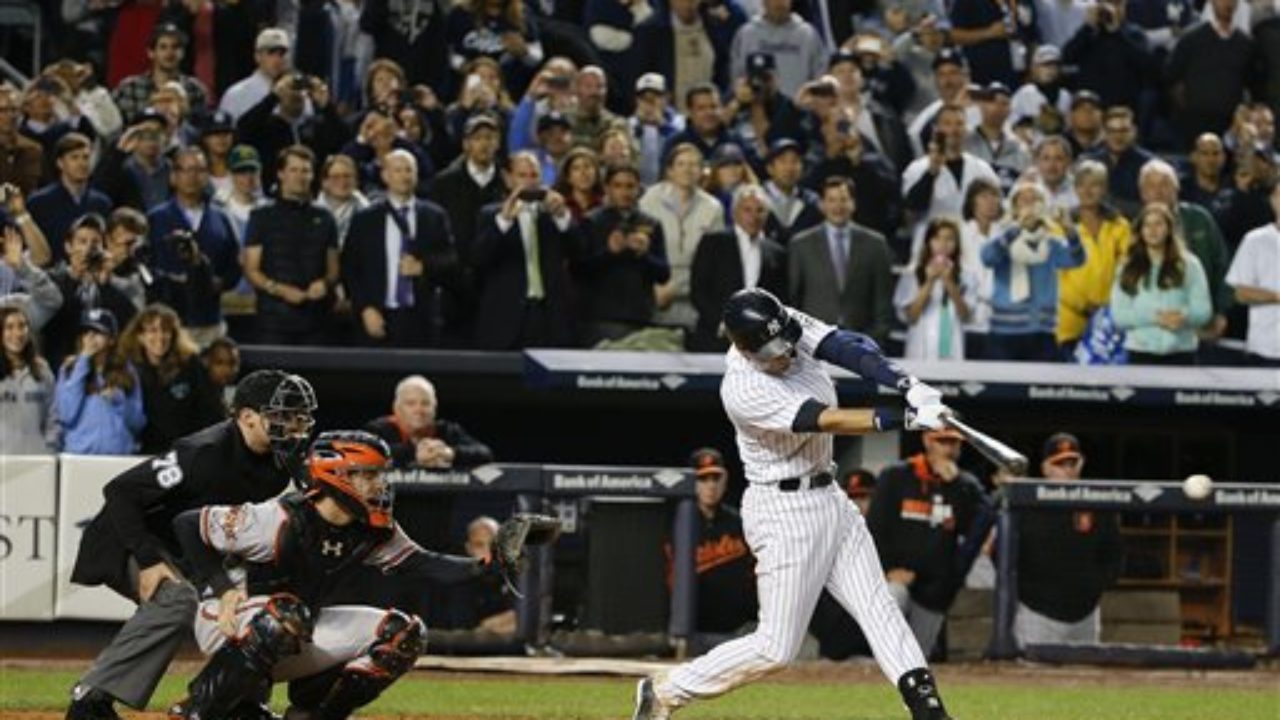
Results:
759 324
336 455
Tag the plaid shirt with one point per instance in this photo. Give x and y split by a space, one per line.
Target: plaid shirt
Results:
133 94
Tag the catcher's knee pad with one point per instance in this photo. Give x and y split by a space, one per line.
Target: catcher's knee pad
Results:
400 639
277 630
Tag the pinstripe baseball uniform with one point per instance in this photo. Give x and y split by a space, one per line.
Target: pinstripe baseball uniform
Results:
804 540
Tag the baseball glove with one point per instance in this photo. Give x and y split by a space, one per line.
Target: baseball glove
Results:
518 532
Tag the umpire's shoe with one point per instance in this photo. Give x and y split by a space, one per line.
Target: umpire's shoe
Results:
648 705
920 693
89 703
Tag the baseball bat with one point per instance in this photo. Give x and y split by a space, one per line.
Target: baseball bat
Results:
991 448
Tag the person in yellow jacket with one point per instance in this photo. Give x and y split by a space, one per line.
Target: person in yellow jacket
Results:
1106 236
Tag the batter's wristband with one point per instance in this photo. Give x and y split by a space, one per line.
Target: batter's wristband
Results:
888 419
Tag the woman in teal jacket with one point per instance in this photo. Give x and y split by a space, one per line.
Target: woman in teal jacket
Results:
1161 294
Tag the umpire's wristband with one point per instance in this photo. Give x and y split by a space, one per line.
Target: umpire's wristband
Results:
888 419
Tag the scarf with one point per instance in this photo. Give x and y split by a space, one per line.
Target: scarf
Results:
1029 248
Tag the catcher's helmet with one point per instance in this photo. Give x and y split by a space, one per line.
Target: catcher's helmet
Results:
759 324
338 454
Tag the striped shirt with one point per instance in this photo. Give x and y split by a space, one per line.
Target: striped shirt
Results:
762 408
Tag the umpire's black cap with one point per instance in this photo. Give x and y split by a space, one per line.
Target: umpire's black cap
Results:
273 389
759 324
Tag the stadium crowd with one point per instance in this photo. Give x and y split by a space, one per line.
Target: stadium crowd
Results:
1054 181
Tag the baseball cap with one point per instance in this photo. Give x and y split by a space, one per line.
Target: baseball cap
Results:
651 82
859 483
149 114
272 39
219 122
993 90
166 29
759 63
841 56
1060 446
950 56
869 45
783 145
480 121
1046 54
243 157
707 461
100 319
555 118
1084 97
728 154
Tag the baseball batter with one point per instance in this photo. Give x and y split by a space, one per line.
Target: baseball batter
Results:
805 533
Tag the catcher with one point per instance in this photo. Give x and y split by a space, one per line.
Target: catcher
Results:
260 623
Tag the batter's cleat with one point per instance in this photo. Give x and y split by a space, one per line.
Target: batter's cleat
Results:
648 705
920 693
89 703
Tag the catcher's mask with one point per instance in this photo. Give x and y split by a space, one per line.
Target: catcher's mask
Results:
348 465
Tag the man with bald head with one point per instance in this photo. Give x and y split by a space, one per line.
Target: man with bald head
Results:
399 251
420 438
1206 180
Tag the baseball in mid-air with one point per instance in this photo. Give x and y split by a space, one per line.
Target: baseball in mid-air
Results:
1197 487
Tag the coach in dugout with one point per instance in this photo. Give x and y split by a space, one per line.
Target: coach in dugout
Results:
1065 560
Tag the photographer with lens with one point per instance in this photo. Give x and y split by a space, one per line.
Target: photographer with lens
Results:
85 282
298 111
761 113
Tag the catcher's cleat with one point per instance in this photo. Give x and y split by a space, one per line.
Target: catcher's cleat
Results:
648 705
91 704
920 693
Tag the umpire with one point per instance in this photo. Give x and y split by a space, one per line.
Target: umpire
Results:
130 547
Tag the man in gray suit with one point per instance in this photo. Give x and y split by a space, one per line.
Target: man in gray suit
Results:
841 272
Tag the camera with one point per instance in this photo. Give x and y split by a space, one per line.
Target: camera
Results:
534 194
184 246
559 82
301 82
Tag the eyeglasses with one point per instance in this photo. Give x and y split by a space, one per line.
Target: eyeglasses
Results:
276 51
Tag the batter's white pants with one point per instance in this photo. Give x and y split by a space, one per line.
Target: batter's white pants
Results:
803 541
342 633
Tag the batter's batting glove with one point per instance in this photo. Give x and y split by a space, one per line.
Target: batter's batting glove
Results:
928 417
519 531
919 395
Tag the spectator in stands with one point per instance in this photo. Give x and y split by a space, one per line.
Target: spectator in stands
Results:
498 29
21 158
729 170
747 255
936 296
128 254
13 210
45 119
922 510
624 259
686 212
995 37
617 148
411 34
482 94
98 395
1111 55
57 205
1123 157
297 111
553 144
181 129
591 118
578 180
550 91
653 125
840 272
725 566
134 170
935 184
245 194
887 80
1043 99
795 46
758 112
1066 559
1210 70
522 246
706 129
878 204
194 252
1161 296
399 252
340 194
30 424
690 46
878 122
917 50
1105 235
1255 276
1158 183
1053 169
1084 124
84 279
271 55
23 283
222 365
217 137
991 141
793 207
951 82
177 397
165 51
983 222
291 257
1026 259
1207 180
418 437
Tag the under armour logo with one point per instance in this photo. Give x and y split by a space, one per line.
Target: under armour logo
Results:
331 548
774 327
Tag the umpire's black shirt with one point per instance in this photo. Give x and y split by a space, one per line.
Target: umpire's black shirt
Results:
209 467
295 238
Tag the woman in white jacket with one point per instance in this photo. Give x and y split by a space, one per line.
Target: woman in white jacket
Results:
935 298
686 212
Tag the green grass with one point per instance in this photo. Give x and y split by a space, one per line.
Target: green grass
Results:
524 697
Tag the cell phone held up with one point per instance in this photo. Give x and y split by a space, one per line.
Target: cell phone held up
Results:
532 195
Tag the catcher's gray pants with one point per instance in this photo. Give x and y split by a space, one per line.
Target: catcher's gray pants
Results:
1032 628
925 623
131 666
342 636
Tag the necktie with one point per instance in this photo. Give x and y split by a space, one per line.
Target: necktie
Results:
945 321
532 268
404 283
841 256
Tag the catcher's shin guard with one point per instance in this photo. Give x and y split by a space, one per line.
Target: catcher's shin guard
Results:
335 694
241 669
920 693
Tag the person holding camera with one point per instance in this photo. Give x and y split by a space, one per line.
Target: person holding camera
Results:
935 184
519 256
271 55
85 282
762 113
799 52
128 254
297 112
195 255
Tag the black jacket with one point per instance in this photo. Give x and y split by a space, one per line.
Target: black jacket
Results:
716 274
179 407
212 466
468 451
63 328
619 287
324 132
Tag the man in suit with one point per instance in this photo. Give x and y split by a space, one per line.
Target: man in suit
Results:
794 207
398 252
841 272
521 249
747 256
462 189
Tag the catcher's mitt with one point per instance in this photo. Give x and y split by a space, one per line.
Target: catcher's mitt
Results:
518 532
